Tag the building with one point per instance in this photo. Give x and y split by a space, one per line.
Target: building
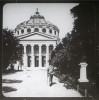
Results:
38 37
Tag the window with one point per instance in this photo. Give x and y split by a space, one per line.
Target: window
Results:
44 30
28 30
36 30
18 32
43 49
36 49
22 31
55 32
50 31
28 49
50 48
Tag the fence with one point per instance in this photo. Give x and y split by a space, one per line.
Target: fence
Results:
83 92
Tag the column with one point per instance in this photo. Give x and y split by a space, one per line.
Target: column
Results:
32 29
83 74
32 54
47 55
40 62
54 46
25 31
25 57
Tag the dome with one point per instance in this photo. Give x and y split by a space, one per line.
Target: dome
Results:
38 21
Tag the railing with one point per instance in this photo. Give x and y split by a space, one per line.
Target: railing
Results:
84 92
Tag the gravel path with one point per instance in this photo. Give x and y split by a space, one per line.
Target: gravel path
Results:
34 84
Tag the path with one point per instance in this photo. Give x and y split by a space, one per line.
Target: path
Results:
34 84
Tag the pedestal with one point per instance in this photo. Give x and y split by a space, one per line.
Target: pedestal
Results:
83 73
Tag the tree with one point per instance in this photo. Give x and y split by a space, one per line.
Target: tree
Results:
60 57
80 45
84 35
12 50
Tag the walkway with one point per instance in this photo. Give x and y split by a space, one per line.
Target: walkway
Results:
34 84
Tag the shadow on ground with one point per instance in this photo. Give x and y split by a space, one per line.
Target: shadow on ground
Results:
11 81
10 72
8 89
53 83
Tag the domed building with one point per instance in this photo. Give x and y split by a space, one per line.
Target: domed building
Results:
38 37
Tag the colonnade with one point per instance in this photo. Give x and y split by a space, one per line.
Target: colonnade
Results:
40 55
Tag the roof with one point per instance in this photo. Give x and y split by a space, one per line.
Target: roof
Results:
37 20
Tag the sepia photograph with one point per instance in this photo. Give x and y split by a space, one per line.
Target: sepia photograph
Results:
49 50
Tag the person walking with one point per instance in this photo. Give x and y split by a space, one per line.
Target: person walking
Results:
50 73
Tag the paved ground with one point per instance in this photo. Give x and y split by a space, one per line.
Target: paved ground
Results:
34 84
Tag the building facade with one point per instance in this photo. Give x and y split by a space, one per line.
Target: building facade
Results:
38 37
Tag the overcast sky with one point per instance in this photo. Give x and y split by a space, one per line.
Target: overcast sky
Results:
56 13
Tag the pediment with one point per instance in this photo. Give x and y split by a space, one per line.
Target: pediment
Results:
36 36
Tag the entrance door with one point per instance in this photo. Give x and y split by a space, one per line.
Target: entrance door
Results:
43 61
29 61
36 61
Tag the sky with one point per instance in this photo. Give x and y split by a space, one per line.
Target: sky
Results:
57 13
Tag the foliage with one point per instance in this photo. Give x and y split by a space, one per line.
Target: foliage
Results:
79 46
12 50
84 35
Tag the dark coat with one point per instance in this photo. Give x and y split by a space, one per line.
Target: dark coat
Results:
50 70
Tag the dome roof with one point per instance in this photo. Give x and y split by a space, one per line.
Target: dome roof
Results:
37 20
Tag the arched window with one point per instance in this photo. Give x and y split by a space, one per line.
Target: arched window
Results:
44 30
18 32
22 31
36 30
55 32
28 30
50 31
